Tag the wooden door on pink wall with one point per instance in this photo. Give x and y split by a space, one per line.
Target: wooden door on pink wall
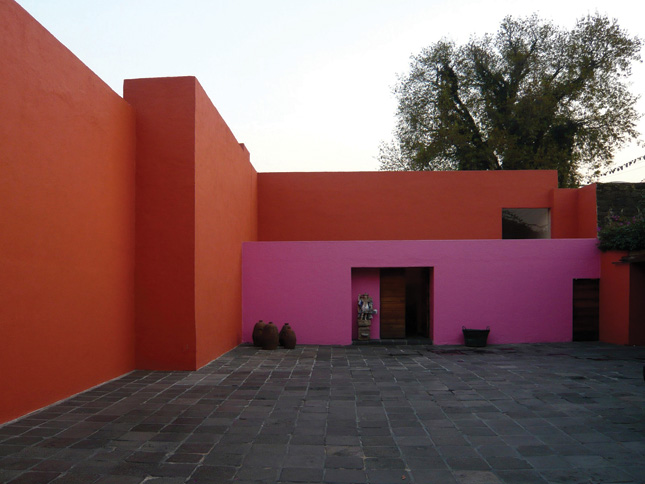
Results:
586 309
405 302
392 311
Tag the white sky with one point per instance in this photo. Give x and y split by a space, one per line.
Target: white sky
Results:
306 85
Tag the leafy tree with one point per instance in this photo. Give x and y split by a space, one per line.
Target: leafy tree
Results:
533 96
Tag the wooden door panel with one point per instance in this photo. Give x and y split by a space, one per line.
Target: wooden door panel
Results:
585 309
392 311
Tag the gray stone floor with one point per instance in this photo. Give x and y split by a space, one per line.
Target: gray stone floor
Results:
562 413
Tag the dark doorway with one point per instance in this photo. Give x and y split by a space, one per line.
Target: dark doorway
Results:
637 303
405 303
585 309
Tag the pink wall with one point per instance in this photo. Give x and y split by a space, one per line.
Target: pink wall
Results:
522 289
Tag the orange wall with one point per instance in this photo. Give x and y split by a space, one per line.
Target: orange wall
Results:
614 298
637 304
405 205
165 208
225 216
573 213
67 156
196 203
564 212
587 217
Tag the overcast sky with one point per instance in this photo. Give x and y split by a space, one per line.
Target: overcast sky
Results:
305 84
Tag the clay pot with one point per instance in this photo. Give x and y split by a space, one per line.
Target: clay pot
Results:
257 333
288 337
281 337
270 337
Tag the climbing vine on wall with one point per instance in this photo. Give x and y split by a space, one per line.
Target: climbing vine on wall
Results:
622 233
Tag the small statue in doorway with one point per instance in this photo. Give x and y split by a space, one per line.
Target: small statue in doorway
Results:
365 307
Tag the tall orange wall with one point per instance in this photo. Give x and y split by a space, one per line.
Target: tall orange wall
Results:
67 160
165 220
637 303
573 213
614 298
196 204
404 205
564 212
225 216
587 216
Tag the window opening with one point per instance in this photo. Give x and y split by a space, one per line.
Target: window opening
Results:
526 223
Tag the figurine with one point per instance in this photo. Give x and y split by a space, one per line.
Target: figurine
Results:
365 307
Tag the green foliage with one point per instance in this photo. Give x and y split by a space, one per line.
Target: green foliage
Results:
533 96
622 233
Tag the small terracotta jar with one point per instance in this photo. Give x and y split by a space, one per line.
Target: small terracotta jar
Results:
284 328
257 333
288 337
270 337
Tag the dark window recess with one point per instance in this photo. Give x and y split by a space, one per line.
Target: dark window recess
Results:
526 223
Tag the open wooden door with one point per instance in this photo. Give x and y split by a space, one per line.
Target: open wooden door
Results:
392 310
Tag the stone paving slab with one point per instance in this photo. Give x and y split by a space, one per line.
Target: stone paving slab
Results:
543 413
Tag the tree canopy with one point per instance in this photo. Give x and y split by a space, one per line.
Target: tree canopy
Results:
531 96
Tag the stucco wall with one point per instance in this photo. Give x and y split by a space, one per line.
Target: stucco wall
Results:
522 289
614 298
225 216
637 303
196 204
587 226
165 228
67 161
409 205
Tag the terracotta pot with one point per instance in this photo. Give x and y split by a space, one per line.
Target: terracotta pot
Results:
285 326
270 337
288 337
257 333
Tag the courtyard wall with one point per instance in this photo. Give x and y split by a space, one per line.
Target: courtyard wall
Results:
522 289
67 191
414 205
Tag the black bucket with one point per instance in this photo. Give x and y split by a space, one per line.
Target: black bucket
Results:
475 338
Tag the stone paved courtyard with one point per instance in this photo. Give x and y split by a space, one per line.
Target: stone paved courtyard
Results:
561 413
